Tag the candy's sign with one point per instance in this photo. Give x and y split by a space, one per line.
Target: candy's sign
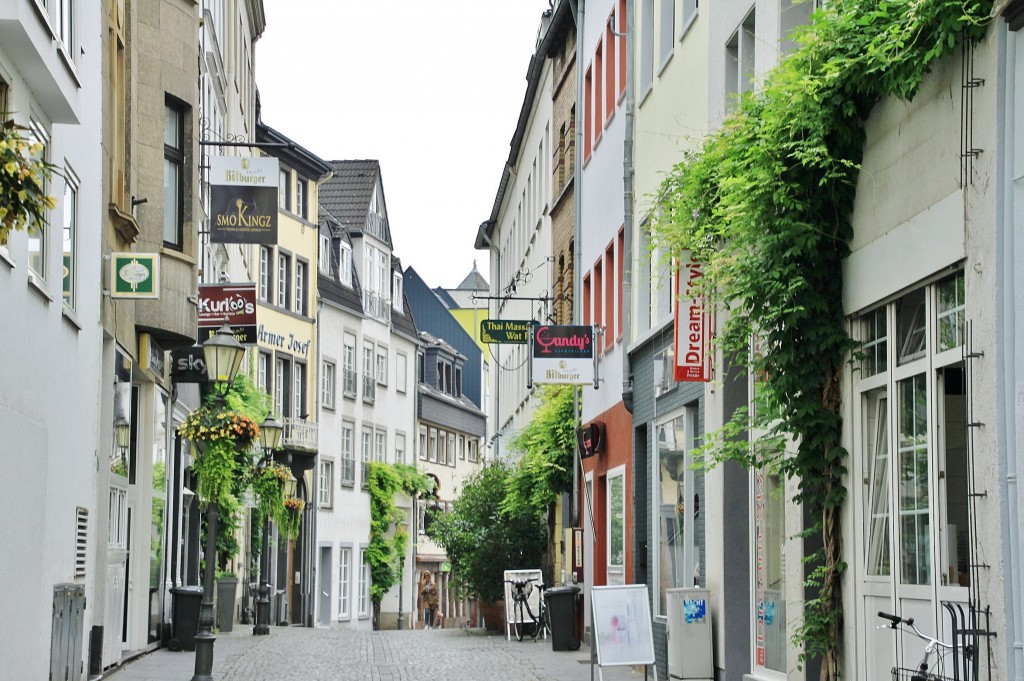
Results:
562 354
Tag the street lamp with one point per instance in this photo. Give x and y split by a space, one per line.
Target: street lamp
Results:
122 438
223 355
270 440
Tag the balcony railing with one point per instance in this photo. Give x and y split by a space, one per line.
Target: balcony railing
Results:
375 226
349 378
300 435
377 306
369 389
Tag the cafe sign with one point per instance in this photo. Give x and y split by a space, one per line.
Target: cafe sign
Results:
135 275
562 355
243 199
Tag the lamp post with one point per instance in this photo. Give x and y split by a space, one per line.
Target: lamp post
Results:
270 441
122 438
223 354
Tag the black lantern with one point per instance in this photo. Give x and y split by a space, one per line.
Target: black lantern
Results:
223 354
270 434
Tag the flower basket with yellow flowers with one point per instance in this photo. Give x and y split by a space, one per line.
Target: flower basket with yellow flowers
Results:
289 522
218 435
23 176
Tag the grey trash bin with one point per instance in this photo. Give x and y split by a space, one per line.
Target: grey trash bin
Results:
562 612
185 611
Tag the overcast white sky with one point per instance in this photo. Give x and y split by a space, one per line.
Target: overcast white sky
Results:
430 89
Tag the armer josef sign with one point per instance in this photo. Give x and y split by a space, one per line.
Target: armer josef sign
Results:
511 331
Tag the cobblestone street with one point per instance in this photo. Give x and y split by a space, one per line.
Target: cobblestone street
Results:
299 654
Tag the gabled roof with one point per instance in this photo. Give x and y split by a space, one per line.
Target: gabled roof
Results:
347 194
474 281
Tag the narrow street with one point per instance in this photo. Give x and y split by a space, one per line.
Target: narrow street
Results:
299 654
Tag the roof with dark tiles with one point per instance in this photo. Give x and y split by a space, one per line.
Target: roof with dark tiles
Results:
346 195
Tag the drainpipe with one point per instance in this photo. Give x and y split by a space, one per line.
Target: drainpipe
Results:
627 222
578 11
495 278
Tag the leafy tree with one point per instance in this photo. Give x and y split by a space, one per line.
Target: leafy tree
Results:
483 536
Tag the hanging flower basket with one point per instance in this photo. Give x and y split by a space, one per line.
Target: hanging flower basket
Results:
23 177
292 517
268 487
217 435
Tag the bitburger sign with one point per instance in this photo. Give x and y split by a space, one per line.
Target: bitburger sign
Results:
562 354
243 199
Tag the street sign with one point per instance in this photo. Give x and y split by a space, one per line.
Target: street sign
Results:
513 331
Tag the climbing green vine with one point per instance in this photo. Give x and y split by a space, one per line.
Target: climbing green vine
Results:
764 204
386 551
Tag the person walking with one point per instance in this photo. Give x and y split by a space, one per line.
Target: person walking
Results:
429 599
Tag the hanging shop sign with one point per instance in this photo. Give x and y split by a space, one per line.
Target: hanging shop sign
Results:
135 275
233 304
188 365
591 439
243 199
563 355
693 324
507 331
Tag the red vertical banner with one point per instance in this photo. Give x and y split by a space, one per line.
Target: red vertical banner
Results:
693 323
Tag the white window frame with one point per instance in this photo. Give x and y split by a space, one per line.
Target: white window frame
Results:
70 236
381 366
363 604
325 491
344 582
348 454
396 291
324 256
401 372
380 445
365 454
345 263
399 447
328 381
616 474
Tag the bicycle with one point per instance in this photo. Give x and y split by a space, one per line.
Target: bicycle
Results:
924 671
521 590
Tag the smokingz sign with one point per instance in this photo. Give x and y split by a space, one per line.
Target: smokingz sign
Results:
233 304
693 324
243 199
562 354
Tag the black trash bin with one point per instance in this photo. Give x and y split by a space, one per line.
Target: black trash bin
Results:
562 611
185 610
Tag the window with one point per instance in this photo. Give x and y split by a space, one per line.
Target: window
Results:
586 312
369 380
174 174
301 188
347 472
462 447
299 410
458 382
399 447
367 449
364 585
423 443
951 310
432 446
397 297
769 570
678 489
349 366
324 255
620 16
646 48
875 344
616 527
474 446
38 254
599 113
451 449
326 491
382 365
588 112
344 581
300 286
327 372
688 9
65 24
442 448
609 69
283 270
402 373
263 373
70 228
264 283
380 446
739 62
666 34
345 263
877 443
119 178
281 375
284 189
609 297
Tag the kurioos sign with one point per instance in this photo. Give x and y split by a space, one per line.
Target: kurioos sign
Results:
562 354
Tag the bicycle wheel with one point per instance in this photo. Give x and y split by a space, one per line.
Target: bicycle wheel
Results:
517 615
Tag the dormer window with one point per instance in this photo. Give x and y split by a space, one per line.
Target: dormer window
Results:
396 291
324 261
345 263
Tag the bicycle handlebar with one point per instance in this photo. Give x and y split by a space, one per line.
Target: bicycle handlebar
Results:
895 619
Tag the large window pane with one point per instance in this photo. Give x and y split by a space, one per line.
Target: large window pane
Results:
879 543
875 338
770 570
910 327
616 528
914 501
950 315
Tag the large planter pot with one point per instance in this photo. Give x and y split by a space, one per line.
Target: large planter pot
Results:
227 587
494 615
